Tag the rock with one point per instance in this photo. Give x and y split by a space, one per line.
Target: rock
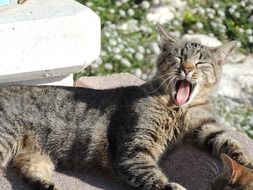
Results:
237 81
237 57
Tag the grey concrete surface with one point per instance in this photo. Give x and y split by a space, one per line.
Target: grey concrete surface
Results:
47 39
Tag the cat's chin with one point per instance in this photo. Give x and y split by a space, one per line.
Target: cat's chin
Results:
183 92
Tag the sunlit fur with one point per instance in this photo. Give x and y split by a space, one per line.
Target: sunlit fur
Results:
124 131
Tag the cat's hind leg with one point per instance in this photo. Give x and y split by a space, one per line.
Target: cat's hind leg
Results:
34 166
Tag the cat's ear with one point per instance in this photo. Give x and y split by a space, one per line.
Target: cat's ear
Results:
166 38
232 168
223 51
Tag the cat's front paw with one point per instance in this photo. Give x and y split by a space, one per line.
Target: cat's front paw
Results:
173 186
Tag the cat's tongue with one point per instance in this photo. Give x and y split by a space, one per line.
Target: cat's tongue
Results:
183 92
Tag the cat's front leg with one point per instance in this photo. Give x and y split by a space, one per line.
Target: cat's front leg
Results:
136 166
217 140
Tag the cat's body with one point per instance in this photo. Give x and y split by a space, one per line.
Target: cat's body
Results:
79 134
59 117
125 130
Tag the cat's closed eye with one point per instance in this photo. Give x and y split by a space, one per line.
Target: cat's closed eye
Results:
172 60
178 59
203 64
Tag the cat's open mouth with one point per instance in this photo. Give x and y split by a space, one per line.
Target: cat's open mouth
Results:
184 91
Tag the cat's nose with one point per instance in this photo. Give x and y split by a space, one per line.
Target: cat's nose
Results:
186 71
188 67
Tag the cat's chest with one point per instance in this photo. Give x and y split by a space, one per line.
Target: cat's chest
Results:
169 125
166 129
175 127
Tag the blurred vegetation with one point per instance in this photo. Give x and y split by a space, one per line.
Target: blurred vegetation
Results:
236 114
226 19
126 36
129 38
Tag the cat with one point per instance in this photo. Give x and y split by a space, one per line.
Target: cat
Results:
125 130
234 177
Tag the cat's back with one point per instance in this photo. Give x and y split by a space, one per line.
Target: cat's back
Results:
54 96
70 104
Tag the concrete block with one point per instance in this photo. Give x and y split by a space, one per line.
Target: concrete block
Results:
4 3
44 39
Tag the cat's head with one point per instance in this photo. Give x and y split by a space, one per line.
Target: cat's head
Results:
234 176
189 70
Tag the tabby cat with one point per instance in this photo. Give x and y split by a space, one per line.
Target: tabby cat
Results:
234 177
124 130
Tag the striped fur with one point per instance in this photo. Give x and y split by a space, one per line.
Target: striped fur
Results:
124 130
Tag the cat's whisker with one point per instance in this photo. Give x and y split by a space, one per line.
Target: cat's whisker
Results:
206 172
167 86
208 165
216 167
160 85
158 77
162 76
